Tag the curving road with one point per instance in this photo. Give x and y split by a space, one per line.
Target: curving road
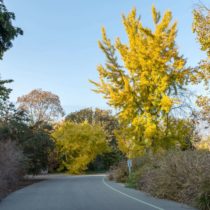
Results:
83 193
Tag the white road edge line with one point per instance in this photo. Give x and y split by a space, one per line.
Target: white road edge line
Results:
129 196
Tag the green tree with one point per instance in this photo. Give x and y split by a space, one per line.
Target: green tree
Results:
35 141
37 147
8 31
4 94
78 145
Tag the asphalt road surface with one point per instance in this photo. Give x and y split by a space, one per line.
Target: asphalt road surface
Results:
83 193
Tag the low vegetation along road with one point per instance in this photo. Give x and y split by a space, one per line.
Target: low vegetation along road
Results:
83 193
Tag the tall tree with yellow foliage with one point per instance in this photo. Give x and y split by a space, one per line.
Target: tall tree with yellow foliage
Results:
144 82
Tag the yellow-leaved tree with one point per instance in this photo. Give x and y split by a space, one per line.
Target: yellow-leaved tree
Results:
143 79
78 144
201 26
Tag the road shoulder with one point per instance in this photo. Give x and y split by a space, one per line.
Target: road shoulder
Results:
144 198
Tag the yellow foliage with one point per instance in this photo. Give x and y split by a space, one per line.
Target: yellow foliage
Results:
201 26
203 103
143 81
166 103
78 145
204 144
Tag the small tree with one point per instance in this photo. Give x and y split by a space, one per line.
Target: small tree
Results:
78 145
42 106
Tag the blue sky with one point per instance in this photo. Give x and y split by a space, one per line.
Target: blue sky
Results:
59 50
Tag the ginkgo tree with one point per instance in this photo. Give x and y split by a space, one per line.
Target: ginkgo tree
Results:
143 79
77 144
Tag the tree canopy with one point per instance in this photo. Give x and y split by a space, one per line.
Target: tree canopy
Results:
146 81
42 106
78 145
109 123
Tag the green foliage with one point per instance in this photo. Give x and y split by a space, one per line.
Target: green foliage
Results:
36 148
8 32
78 145
100 117
35 142
203 200
131 181
82 115
4 91
4 96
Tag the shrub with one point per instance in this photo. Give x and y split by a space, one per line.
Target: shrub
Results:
183 176
140 165
179 175
203 200
11 164
131 181
119 172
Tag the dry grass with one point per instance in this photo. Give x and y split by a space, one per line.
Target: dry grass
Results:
183 176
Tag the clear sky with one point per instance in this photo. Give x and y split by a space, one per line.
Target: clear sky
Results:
59 50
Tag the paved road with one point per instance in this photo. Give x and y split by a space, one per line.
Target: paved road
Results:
83 193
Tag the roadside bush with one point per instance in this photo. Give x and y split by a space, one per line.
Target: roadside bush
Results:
11 164
203 200
140 165
179 175
183 176
132 180
119 172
